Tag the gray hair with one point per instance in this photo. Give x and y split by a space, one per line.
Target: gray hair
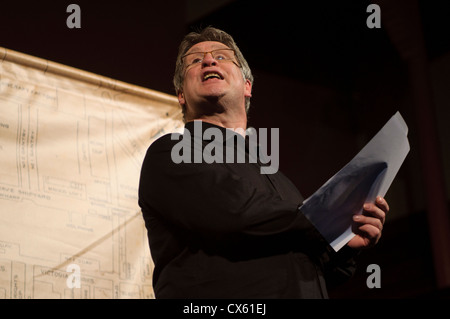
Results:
208 34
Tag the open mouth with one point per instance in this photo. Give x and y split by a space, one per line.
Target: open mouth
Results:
212 75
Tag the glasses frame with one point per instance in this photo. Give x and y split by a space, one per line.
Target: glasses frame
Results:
211 52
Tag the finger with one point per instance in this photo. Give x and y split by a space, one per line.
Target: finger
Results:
372 210
370 232
382 203
368 220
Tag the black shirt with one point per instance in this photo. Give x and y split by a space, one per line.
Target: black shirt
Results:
224 230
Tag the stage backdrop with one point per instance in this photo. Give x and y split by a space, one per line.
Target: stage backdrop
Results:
71 148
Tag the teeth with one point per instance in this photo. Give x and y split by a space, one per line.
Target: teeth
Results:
211 75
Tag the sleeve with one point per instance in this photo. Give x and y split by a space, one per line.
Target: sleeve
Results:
341 266
208 199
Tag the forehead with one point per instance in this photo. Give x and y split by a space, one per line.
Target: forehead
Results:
207 46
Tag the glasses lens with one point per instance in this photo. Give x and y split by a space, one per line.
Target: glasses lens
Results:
192 58
225 54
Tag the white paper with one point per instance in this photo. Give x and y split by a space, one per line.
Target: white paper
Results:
368 175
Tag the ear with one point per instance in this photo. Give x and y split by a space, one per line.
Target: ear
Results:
181 98
248 88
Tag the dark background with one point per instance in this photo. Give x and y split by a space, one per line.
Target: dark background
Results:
321 76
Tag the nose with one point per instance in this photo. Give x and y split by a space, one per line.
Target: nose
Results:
208 60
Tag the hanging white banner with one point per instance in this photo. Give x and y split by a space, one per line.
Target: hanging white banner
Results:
71 148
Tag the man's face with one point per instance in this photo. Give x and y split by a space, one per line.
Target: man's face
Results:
214 81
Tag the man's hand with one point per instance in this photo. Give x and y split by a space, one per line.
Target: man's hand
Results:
369 224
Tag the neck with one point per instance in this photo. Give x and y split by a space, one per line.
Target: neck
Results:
231 120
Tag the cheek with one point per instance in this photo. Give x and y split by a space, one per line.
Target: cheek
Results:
191 77
238 82
187 86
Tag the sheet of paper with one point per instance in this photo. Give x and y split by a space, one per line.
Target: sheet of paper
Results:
369 174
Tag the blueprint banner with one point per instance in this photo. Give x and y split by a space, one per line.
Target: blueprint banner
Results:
71 148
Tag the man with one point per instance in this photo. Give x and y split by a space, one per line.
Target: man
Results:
223 229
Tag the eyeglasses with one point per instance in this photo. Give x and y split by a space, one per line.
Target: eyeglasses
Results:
219 55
